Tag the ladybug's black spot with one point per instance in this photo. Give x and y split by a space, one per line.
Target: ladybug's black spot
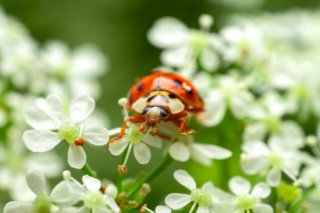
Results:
140 86
189 91
177 82
171 95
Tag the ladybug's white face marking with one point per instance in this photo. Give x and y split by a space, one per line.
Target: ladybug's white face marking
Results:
175 105
140 104
162 99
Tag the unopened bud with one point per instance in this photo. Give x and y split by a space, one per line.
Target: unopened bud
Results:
122 169
311 140
205 21
66 174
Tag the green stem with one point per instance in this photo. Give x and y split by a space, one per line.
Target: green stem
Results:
297 205
89 171
161 167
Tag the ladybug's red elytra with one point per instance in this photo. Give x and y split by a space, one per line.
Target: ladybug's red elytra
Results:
162 96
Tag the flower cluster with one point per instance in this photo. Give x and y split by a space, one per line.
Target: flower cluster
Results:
257 100
29 70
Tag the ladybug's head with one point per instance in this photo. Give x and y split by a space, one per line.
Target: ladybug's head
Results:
154 114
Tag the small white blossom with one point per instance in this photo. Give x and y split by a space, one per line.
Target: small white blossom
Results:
183 46
137 140
15 162
247 199
90 194
272 159
230 92
51 127
208 198
79 68
60 197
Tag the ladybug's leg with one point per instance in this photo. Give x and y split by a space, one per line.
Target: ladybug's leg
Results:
181 121
137 118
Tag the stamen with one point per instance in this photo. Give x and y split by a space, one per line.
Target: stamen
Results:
79 141
192 207
122 169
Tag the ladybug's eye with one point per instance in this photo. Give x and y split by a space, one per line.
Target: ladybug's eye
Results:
163 113
145 110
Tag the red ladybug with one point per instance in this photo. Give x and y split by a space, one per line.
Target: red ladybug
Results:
159 97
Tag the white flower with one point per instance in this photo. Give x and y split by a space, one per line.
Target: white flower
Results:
249 200
50 127
244 45
272 159
183 45
60 197
79 68
185 148
231 92
93 199
15 162
135 139
208 198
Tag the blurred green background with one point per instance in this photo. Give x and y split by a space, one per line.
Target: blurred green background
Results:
118 28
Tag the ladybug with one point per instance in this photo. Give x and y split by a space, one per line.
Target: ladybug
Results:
162 96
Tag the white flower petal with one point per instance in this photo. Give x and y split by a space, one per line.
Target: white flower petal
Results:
261 190
49 164
177 201
241 104
168 32
274 177
202 210
142 153
253 164
209 59
45 113
18 206
72 209
20 190
215 107
118 147
162 209
114 131
239 186
176 57
179 152
185 179
81 107
96 135
76 156
212 151
112 204
101 210
262 208
254 132
40 140
36 182
153 141
91 183
66 193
